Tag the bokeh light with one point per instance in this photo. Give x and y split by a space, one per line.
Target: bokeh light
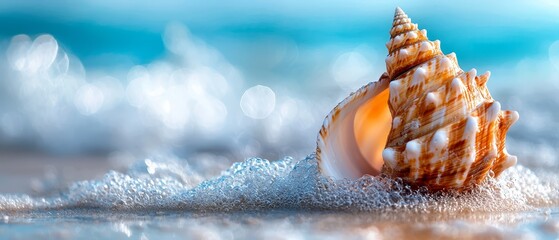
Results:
258 102
352 69
89 99
223 86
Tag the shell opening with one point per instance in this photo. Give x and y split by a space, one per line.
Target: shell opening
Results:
371 127
354 134
431 123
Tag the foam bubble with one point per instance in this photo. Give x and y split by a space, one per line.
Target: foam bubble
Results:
171 183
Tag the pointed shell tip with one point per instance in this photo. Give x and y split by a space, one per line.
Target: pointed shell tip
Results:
399 11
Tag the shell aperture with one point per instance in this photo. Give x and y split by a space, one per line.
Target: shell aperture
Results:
425 121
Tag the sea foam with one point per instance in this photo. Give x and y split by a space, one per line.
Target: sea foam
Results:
169 183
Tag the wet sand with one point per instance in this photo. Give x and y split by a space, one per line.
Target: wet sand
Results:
22 172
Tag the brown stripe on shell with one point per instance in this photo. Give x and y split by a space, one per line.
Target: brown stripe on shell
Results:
447 132
403 28
405 39
429 96
429 112
504 160
421 79
401 60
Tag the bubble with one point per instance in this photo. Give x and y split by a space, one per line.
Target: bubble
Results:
258 102
554 54
88 99
170 183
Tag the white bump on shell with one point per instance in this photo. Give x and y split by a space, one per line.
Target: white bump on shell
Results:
425 46
446 63
418 76
438 146
413 149
424 32
439 141
493 112
394 91
412 35
510 161
514 117
472 76
431 99
488 74
451 55
403 53
437 43
396 122
471 127
388 155
398 39
389 59
456 86
473 72
469 158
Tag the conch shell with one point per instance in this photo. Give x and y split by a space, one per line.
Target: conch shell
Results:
425 120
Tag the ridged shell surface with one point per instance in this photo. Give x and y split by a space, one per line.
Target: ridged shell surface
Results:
445 131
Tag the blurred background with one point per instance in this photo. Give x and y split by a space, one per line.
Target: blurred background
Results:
96 85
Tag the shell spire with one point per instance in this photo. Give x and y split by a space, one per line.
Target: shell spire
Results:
447 130
425 121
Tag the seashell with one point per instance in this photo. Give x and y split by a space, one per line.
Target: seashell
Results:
425 120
